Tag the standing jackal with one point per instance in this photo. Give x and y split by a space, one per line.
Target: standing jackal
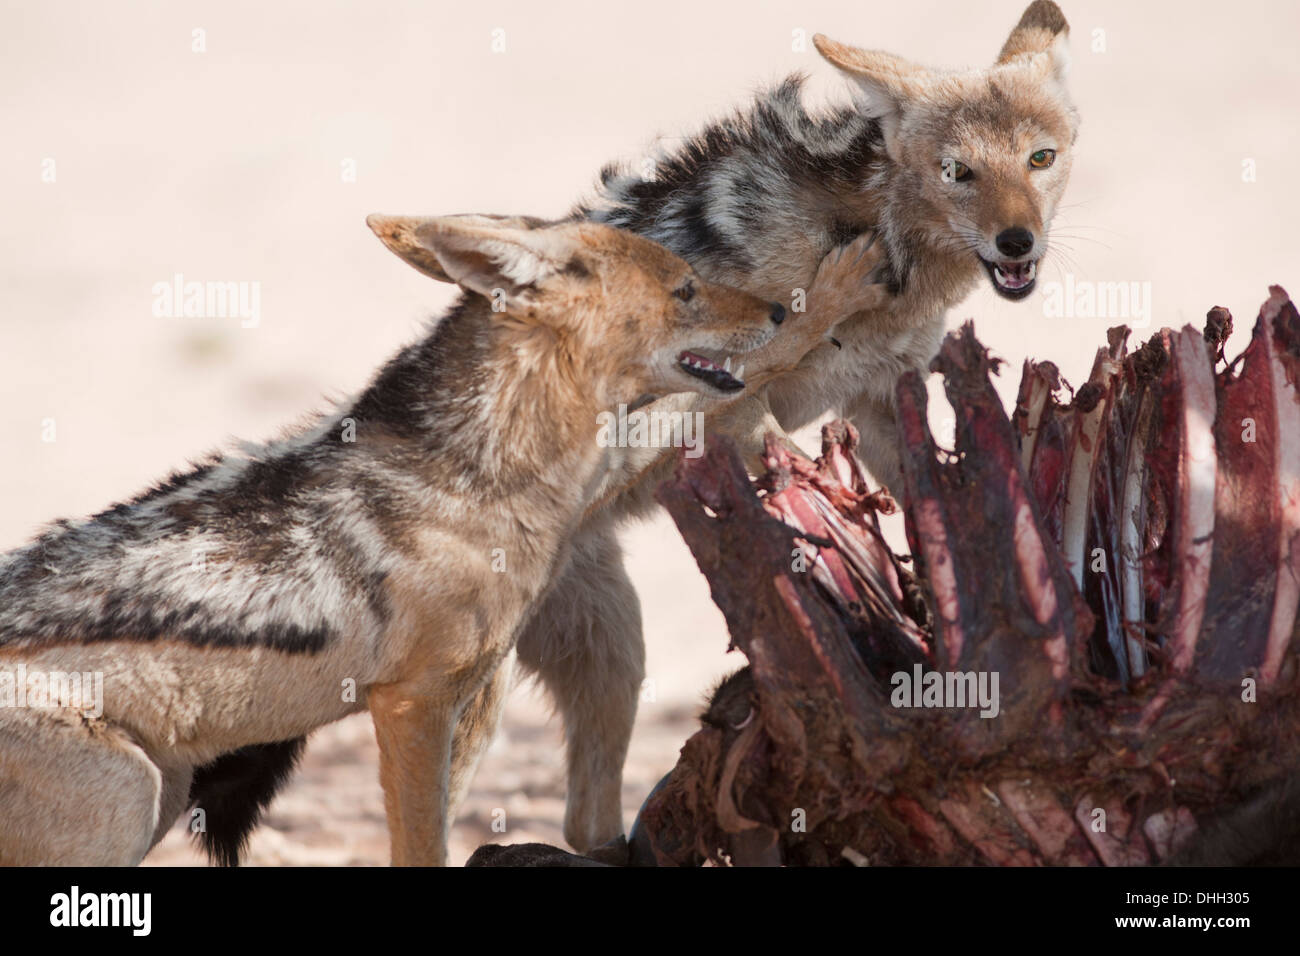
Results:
959 174
383 559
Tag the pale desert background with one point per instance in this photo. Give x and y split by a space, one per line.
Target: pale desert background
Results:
229 164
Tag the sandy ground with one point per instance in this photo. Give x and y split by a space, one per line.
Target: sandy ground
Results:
130 157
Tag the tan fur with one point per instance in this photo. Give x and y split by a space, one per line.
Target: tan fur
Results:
590 320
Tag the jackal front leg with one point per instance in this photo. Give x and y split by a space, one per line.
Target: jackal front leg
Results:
414 729
843 286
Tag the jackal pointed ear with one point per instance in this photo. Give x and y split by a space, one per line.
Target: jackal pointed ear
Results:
398 234
493 256
1042 31
888 81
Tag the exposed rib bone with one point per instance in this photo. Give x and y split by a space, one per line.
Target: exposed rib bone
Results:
1280 313
1194 511
1038 380
1090 428
1133 520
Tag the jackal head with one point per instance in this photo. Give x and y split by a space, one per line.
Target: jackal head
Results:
981 157
626 316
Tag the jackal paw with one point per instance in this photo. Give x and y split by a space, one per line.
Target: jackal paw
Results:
845 282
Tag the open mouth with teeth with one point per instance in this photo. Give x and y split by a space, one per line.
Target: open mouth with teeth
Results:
1013 280
719 376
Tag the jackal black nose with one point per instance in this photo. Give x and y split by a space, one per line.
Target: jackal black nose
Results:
1015 241
778 313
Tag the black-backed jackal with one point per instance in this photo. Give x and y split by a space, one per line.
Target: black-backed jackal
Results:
383 559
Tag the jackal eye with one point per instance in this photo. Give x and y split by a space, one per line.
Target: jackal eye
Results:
954 172
685 291
1042 159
